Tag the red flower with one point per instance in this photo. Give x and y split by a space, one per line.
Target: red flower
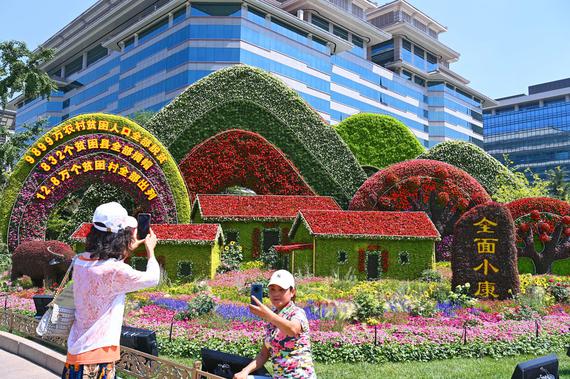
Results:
567 232
391 179
443 198
524 227
535 214
545 238
544 227
566 220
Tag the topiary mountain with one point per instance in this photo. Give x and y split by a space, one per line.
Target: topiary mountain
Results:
475 161
378 140
247 98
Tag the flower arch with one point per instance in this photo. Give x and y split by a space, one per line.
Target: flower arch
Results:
84 150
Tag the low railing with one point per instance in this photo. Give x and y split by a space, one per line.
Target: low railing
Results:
133 362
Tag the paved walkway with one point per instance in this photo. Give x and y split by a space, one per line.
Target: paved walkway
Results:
15 367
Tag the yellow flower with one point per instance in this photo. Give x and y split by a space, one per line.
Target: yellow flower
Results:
232 243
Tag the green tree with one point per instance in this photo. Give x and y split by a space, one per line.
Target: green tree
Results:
558 187
20 71
521 186
15 145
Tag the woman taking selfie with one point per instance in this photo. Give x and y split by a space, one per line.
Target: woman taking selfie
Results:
286 339
100 281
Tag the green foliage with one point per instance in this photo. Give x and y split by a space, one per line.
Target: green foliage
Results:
526 265
141 117
368 307
378 140
475 161
522 186
16 143
138 263
561 267
25 282
20 71
200 305
247 98
330 353
560 293
431 276
231 257
558 186
251 264
270 258
5 258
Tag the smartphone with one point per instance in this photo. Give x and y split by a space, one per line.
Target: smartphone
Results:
257 291
143 228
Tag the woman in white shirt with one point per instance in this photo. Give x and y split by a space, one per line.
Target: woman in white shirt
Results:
100 281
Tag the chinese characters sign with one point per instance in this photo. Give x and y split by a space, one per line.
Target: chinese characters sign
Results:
484 252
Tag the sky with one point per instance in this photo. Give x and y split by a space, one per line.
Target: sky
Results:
505 45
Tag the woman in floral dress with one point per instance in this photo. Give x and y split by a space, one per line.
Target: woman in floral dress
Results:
286 340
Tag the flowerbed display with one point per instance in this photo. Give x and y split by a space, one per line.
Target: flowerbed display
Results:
89 149
238 157
488 171
378 140
543 232
250 99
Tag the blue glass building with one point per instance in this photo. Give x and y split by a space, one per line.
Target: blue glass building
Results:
534 129
342 56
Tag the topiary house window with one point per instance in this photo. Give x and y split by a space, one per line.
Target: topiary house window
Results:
231 235
184 271
404 258
138 263
342 257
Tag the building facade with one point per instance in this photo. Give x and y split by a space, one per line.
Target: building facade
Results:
8 121
342 56
532 130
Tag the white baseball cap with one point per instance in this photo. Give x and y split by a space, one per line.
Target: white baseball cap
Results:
283 279
112 217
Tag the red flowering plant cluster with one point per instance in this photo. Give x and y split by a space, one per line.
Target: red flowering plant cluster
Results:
238 157
256 243
543 230
187 234
441 190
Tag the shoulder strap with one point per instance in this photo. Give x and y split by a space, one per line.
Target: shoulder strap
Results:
65 278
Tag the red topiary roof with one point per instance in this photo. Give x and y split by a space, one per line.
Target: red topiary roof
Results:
259 207
356 224
180 233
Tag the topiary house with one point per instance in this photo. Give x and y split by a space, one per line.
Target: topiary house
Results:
185 251
374 244
256 222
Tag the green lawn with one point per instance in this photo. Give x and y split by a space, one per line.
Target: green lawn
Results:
485 368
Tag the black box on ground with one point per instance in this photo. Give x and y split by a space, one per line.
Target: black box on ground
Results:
139 339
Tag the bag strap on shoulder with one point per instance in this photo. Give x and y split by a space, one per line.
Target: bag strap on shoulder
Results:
65 278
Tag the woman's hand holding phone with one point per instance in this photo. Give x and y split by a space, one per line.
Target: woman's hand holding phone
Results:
150 243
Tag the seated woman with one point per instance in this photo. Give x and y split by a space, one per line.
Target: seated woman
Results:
286 340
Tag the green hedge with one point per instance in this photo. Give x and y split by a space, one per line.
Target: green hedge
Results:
247 98
526 266
488 171
333 352
23 169
561 267
378 140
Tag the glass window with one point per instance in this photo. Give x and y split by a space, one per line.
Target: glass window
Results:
406 75
320 22
129 43
95 54
56 72
74 66
153 30
179 15
340 32
288 30
357 41
342 257
209 9
407 45
66 103
256 16
419 80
